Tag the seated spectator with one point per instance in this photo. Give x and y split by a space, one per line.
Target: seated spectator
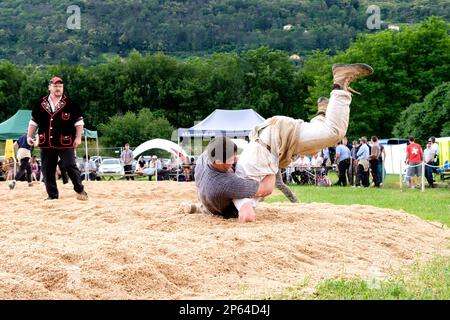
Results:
301 165
188 170
35 170
140 166
88 168
317 160
153 167
10 168
2 173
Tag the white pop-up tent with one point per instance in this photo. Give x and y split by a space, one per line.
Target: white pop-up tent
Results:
163 144
230 123
395 153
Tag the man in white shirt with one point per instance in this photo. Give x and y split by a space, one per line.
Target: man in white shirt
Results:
429 154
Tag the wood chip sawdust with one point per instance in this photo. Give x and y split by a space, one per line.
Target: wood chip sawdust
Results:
130 241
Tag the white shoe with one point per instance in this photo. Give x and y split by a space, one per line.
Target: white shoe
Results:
12 184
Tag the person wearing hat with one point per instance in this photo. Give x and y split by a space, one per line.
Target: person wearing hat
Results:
59 123
154 166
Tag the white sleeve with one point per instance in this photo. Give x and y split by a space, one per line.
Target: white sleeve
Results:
79 123
32 123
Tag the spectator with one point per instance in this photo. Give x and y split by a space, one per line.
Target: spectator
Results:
435 148
88 169
35 170
343 156
350 147
381 159
316 160
154 166
141 165
10 168
126 158
429 154
353 163
362 169
414 158
373 160
301 164
23 156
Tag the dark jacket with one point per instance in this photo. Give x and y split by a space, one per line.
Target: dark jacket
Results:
56 130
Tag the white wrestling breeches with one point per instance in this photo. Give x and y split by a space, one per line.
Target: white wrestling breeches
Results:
257 162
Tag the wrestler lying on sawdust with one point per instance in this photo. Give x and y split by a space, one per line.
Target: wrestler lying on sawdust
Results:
272 146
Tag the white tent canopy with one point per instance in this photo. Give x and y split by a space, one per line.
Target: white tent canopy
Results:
232 123
163 144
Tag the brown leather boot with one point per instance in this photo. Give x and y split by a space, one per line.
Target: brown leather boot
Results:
343 74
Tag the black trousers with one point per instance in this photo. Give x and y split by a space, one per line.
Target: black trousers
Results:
25 167
362 176
343 171
49 158
374 169
128 169
429 173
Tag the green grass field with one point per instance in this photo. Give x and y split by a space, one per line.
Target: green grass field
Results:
422 281
433 204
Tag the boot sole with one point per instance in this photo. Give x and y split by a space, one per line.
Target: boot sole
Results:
363 66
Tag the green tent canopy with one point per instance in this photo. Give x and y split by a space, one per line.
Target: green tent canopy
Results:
15 126
90 134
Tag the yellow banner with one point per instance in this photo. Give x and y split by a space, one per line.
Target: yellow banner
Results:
9 149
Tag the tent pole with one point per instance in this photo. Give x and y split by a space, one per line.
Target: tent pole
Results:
96 142
87 160
178 158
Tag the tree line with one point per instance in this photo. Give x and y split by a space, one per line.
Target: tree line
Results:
175 92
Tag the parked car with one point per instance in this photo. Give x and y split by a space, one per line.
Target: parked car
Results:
110 166
99 159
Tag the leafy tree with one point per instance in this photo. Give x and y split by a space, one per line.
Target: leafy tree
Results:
11 79
407 64
428 118
134 128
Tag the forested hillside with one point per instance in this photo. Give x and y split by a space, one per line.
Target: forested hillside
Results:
36 32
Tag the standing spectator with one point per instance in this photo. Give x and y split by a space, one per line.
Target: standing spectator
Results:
362 170
23 156
429 154
353 162
414 157
127 159
60 124
350 147
435 148
343 162
381 159
373 160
